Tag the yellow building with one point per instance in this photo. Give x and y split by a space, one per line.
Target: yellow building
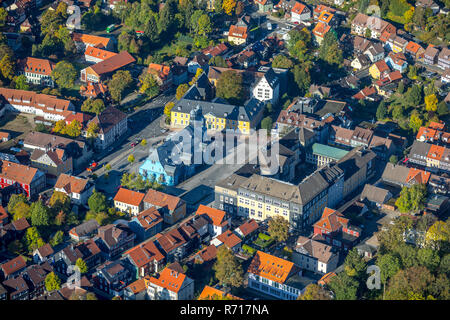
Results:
378 68
219 116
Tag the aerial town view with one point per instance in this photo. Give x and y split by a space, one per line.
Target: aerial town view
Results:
253 150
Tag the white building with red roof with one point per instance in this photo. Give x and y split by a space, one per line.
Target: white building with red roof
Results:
22 179
171 284
37 71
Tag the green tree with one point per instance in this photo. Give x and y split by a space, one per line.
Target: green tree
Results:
92 130
314 292
229 6
266 124
57 239
52 282
3 16
344 287
181 90
21 82
14 200
382 111
428 258
204 25
143 142
279 228
281 61
354 264
412 199
97 202
149 85
81 264
96 106
33 239
413 280
39 214
229 86
64 74
227 268
7 67
167 110
442 109
431 102
21 210
218 61
413 96
415 122
73 129
121 80
131 158
302 78
59 201
389 265
329 50
393 159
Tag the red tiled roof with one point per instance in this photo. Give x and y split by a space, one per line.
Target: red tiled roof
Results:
113 63
17 172
169 279
144 253
298 8
36 66
249 227
270 267
238 32
13 265
70 183
321 29
90 39
331 220
208 293
99 53
217 216
130 197
161 199
229 239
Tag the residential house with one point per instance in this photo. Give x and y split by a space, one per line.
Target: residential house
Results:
336 230
375 52
37 71
264 5
444 59
96 55
170 284
248 229
376 26
136 290
113 239
402 176
319 32
146 258
112 125
229 239
397 61
172 244
300 13
93 90
368 93
315 256
415 51
267 88
200 61
13 267
88 251
53 163
274 276
35 276
361 62
319 92
428 4
112 277
218 50
77 189
77 150
162 74
210 293
129 201
17 288
103 69
171 208
430 55
83 231
43 253
379 69
375 195
237 35
396 43
147 223
218 220
445 78
21 179
247 59
4 136
206 255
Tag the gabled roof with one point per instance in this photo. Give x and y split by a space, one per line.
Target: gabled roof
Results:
99 53
149 218
238 32
381 66
161 199
331 220
321 29
270 267
17 172
37 66
248 227
113 63
13 265
45 251
170 240
315 249
373 193
169 279
218 217
209 293
229 239
108 119
298 8
71 184
90 39
130 197
144 253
